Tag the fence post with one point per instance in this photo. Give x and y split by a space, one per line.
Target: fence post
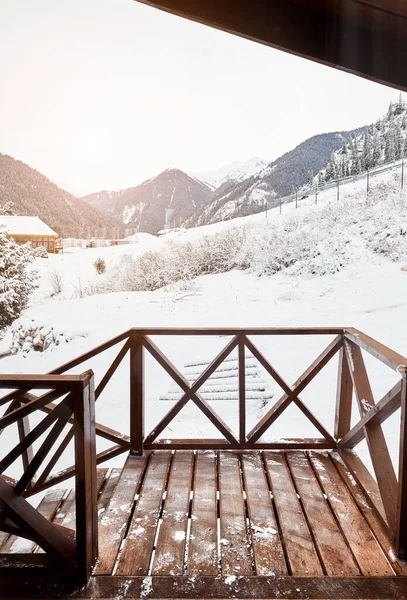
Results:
296 197
401 514
367 181
136 394
85 478
337 190
402 174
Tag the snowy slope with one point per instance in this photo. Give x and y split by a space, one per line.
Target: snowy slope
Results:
235 171
355 295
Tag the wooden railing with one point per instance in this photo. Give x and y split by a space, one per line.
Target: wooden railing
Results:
70 398
75 412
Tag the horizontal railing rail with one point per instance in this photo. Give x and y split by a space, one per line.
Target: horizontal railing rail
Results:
353 381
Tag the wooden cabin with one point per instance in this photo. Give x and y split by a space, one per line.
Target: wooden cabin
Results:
29 229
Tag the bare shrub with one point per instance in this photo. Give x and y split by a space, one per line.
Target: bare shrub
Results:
100 266
55 279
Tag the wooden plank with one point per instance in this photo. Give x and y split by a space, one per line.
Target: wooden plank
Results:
229 331
170 551
219 444
364 479
47 508
344 398
377 414
380 351
203 550
234 543
379 452
114 521
302 557
401 512
91 354
111 370
242 390
138 547
289 588
136 395
367 552
267 549
376 523
63 383
85 481
108 489
333 550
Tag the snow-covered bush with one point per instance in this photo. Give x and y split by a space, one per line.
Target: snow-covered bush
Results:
176 262
312 242
17 282
40 252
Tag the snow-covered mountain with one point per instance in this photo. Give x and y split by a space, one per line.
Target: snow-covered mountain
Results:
34 195
236 171
279 178
165 200
381 142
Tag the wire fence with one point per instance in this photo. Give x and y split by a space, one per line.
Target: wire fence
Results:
315 190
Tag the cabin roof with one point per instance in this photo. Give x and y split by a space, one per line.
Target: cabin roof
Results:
17 225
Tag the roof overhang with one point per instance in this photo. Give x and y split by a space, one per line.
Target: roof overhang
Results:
364 37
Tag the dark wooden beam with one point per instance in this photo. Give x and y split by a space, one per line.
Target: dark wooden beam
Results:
363 38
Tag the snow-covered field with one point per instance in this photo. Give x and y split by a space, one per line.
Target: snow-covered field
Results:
369 293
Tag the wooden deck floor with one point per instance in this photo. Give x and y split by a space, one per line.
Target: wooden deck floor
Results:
228 514
246 519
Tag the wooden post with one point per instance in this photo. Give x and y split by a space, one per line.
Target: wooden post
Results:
401 516
85 480
23 430
343 398
242 392
337 190
296 197
136 395
402 174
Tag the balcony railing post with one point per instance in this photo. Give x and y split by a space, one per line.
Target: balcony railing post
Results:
136 394
242 391
85 479
343 397
401 516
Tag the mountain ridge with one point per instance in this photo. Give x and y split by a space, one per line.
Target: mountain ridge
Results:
33 194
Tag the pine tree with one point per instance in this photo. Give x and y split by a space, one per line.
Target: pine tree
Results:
398 141
16 282
376 150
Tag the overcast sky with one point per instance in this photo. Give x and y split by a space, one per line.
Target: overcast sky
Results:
102 94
